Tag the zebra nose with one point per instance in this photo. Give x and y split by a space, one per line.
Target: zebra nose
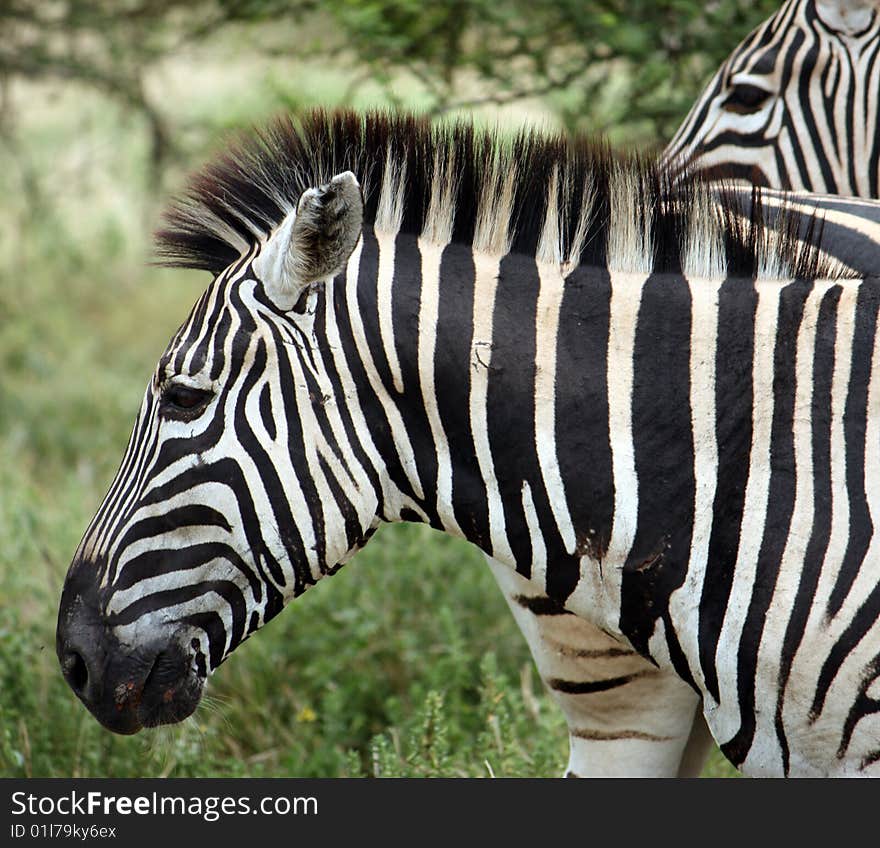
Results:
95 666
124 689
75 670
87 653
80 645
79 632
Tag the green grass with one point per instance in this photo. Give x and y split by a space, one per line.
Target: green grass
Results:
406 663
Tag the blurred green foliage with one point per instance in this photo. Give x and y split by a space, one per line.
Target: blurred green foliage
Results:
631 66
600 64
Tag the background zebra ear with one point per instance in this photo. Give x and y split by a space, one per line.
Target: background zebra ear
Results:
847 15
313 242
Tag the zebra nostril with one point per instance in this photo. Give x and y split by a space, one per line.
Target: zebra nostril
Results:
76 671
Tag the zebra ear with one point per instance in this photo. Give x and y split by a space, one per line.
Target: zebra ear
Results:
313 242
848 16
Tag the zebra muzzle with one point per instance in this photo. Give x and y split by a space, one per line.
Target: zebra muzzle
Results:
127 691
125 687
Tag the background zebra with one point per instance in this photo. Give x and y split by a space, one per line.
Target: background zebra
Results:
589 391
794 106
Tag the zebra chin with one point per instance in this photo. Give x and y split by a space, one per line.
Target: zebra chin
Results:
171 691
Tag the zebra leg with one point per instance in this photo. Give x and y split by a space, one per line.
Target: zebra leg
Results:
625 716
697 749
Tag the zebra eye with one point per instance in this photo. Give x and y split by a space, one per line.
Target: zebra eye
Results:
180 401
746 99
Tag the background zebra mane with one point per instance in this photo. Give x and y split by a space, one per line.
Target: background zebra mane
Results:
564 200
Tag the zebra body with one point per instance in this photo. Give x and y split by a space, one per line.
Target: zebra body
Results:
795 106
657 418
614 701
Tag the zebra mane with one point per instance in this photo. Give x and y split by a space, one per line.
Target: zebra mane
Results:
570 201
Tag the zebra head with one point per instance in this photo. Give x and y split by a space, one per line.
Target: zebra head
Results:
214 519
794 105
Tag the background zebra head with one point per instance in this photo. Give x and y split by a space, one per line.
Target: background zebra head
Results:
198 542
796 104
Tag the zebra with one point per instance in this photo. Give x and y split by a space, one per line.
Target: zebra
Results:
795 106
602 380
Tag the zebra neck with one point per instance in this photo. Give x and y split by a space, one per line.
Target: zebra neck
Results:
506 394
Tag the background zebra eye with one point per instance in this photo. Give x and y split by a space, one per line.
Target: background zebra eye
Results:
745 99
184 399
